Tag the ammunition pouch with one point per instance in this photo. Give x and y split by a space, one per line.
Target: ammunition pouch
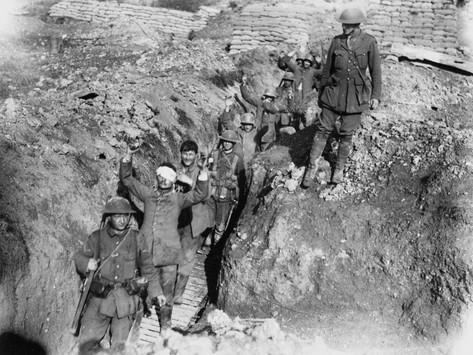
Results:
100 289
136 286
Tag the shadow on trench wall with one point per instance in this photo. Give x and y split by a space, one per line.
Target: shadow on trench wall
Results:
15 344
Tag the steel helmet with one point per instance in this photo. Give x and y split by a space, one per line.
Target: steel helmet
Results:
229 136
288 76
309 57
248 118
118 205
270 93
352 15
299 56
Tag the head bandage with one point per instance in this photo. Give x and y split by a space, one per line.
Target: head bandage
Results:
166 173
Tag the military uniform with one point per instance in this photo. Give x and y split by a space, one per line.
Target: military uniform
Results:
265 117
227 178
248 145
159 231
346 92
117 308
193 222
305 81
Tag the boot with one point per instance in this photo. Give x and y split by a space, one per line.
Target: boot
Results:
344 148
309 174
315 153
165 313
180 288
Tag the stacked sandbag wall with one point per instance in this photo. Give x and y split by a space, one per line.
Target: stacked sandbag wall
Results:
178 23
425 23
272 24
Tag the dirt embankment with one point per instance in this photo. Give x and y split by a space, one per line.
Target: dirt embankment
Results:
63 129
390 246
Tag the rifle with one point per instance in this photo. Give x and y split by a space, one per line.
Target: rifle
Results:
134 333
84 293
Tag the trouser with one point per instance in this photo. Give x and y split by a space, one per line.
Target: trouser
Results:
325 126
167 279
94 325
222 215
190 244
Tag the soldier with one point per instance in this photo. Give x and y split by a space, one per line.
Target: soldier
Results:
247 132
345 90
227 177
306 77
162 207
286 92
227 118
266 111
193 221
112 253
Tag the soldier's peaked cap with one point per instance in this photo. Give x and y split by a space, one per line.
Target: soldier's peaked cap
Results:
352 15
118 205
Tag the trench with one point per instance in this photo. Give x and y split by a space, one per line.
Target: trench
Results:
396 255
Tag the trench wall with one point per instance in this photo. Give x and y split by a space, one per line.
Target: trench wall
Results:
433 24
169 21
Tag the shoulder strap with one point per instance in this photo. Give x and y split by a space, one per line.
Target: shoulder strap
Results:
234 162
113 252
357 66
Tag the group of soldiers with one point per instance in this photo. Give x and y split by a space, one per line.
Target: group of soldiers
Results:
291 104
190 206
193 200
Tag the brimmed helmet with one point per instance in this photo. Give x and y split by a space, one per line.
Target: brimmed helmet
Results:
352 16
248 118
270 93
309 57
230 136
118 205
288 76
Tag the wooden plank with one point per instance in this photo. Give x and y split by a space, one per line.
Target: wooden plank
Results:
423 54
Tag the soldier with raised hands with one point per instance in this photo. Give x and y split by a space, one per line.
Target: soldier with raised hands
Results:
193 221
121 272
159 231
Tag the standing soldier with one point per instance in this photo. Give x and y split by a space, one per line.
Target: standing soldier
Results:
247 132
162 207
307 72
113 255
227 177
193 221
346 91
286 92
265 113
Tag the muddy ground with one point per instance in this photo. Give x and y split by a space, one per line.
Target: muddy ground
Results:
379 265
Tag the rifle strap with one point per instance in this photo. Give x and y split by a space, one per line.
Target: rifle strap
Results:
113 252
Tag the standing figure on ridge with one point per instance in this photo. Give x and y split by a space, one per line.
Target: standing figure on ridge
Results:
345 91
